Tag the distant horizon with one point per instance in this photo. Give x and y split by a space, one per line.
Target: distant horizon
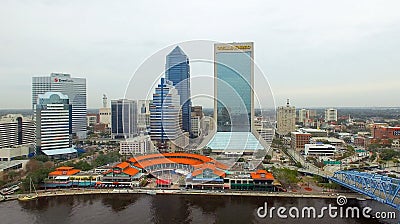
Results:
211 108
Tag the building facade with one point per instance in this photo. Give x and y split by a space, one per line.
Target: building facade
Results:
299 140
319 150
304 116
164 115
386 132
92 119
105 116
137 145
53 122
264 129
286 119
143 116
177 70
17 137
105 113
197 118
233 87
16 130
74 88
123 118
331 115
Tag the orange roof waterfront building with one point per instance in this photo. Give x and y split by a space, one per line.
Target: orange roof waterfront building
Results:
199 167
262 175
64 171
158 161
263 180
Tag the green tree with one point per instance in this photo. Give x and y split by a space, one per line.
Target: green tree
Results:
286 176
267 158
42 158
389 154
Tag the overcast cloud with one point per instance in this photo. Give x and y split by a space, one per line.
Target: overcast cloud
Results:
317 53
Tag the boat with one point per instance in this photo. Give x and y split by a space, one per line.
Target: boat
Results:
29 196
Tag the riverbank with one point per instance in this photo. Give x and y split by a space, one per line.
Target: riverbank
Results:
70 192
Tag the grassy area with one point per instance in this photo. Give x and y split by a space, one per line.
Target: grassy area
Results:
286 176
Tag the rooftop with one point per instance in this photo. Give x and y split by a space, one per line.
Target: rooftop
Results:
54 152
64 171
7 164
235 141
262 175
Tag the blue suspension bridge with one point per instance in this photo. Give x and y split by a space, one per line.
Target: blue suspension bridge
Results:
378 187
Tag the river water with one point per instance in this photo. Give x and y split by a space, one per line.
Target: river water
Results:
139 208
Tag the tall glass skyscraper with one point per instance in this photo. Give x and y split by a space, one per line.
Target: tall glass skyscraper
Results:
74 88
233 87
177 70
164 114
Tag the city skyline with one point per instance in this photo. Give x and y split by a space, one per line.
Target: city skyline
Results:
333 51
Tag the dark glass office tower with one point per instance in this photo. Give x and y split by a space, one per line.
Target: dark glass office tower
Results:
123 118
177 70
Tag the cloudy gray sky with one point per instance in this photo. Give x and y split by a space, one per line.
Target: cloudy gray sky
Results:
317 53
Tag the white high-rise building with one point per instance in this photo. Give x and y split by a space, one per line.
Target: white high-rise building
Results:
17 137
53 122
74 88
286 119
16 130
330 115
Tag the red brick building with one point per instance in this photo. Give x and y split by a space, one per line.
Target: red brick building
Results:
386 132
299 140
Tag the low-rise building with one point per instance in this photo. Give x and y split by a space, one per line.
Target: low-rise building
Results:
206 176
17 152
63 171
92 119
260 180
299 139
138 145
122 175
315 132
386 133
319 150
12 165
328 140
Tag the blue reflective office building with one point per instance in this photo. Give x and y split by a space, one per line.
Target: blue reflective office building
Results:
164 115
233 87
177 70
